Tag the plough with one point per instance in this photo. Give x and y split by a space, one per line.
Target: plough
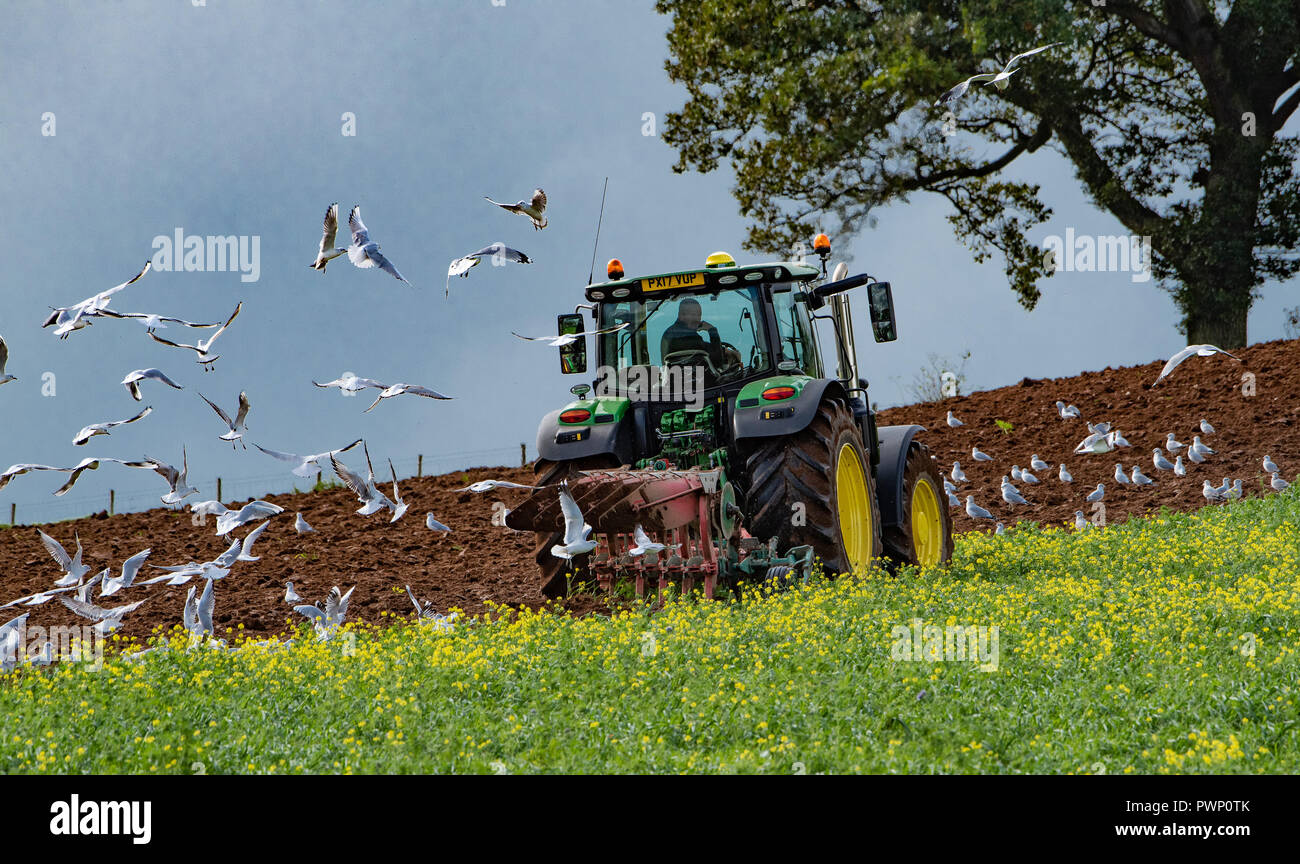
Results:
691 512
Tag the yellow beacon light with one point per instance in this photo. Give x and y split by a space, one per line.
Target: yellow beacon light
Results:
719 259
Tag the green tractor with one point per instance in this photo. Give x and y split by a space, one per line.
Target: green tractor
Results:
713 446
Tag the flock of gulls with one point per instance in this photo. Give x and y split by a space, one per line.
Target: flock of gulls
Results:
84 594
1102 439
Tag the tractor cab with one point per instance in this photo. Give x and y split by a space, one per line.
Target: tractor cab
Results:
712 426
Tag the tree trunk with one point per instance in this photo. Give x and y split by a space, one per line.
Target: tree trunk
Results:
1217 266
1221 327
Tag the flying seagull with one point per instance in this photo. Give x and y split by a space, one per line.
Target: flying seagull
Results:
204 346
998 79
88 432
326 621
643 542
349 383
487 485
180 488
130 567
250 512
303 465
74 473
1202 350
4 358
249 539
133 379
153 321
372 500
497 251
534 208
426 614
72 566
569 338
364 252
400 506
328 251
577 533
239 426
65 319
399 389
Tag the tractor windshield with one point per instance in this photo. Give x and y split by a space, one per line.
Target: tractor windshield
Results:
721 332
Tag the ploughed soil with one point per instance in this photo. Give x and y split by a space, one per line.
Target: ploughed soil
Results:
477 563
483 562
1247 428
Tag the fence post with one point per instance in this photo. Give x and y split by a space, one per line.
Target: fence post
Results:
112 495
219 489
13 508
419 465
319 475
523 455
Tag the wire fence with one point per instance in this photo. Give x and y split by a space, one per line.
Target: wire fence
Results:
231 489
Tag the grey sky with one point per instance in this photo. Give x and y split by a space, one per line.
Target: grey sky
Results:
226 119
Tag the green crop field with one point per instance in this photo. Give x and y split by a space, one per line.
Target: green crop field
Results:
1162 645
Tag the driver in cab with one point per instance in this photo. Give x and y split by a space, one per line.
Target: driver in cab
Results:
685 334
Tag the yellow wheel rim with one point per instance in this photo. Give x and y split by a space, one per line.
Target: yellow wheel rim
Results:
854 505
927 524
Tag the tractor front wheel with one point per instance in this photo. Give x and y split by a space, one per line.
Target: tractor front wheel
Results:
924 537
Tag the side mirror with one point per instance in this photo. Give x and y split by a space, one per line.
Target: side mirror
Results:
880 297
573 357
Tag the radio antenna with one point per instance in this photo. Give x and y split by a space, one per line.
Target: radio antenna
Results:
591 277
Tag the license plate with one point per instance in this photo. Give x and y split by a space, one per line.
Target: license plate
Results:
677 280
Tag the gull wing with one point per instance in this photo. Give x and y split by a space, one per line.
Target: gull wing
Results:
313 613
419 610
155 337
351 479
501 249
385 265
417 390
56 550
86 610
331 226
204 609
513 208
360 235
243 409
1030 53
573 522
4 355
283 457
539 200
215 407
229 321
101 298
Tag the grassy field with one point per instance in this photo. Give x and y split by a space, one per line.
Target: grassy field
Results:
1163 645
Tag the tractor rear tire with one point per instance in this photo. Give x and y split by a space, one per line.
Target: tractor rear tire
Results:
924 537
552 570
795 495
